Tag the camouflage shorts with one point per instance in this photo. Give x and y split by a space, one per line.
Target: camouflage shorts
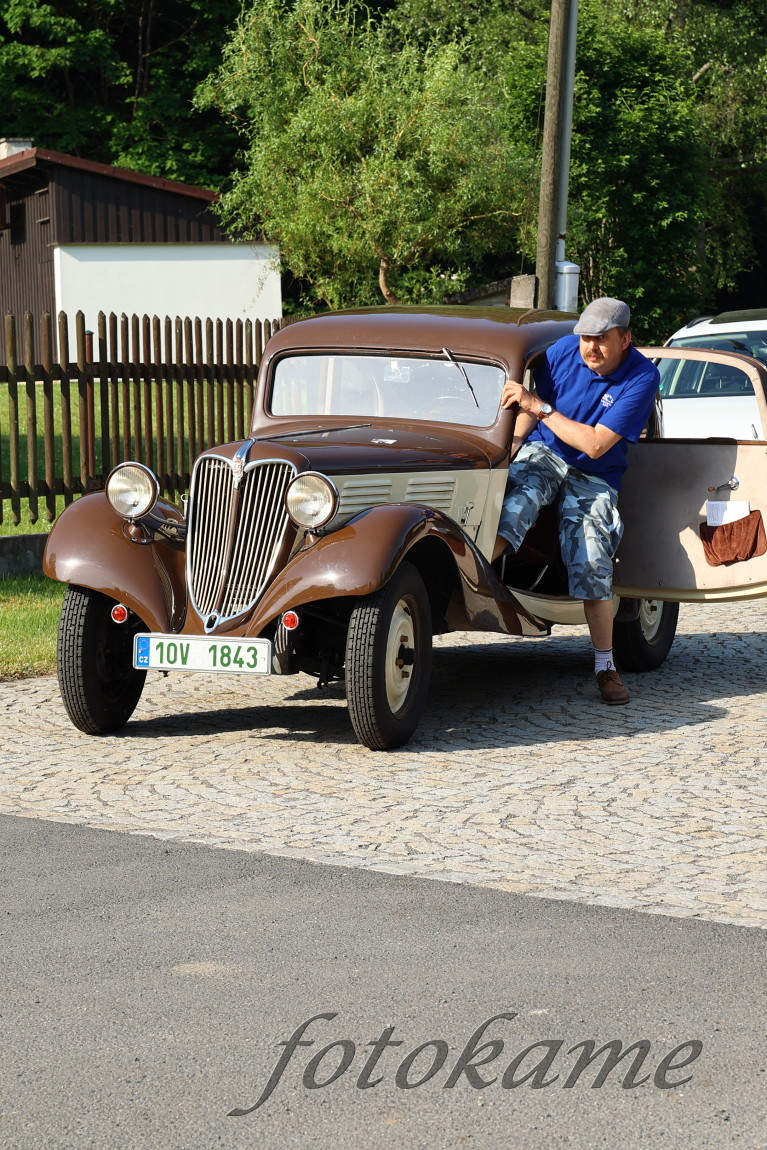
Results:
590 527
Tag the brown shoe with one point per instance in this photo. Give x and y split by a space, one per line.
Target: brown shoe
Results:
611 688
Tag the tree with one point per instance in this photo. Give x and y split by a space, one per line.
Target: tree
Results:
637 174
374 170
722 47
399 144
112 80
728 47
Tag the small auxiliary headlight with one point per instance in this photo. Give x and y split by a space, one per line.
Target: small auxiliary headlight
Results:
311 500
132 489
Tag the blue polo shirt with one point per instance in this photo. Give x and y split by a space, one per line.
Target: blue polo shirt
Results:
621 401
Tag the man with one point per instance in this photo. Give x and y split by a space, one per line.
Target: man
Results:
594 393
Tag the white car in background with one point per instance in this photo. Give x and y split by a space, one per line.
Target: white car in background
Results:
726 405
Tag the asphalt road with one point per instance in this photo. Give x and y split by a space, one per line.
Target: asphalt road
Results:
146 986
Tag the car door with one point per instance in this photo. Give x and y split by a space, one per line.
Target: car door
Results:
670 481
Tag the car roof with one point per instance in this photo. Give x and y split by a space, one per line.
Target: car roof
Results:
489 332
754 319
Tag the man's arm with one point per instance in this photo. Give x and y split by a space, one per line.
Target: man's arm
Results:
523 425
592 441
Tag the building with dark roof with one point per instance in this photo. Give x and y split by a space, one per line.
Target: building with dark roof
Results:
79 235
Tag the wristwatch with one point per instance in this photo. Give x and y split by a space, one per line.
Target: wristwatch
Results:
546 409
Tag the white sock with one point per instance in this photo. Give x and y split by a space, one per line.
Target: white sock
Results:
603 660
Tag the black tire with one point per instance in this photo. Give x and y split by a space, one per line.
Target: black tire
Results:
643 644
282 655
99 685
386 691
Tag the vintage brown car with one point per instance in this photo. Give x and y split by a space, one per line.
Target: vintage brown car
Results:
359 518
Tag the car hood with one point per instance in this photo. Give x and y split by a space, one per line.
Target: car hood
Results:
373 447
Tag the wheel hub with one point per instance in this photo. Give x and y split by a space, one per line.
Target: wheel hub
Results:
650 615
400 655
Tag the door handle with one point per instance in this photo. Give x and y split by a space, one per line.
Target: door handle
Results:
731 484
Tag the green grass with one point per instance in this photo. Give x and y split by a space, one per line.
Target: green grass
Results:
29 616
25 526
5 442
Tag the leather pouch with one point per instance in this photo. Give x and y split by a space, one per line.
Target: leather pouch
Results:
734 542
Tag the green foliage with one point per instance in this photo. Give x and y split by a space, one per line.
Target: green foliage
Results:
402 141
112 80
366 165
726 41
638 172
490 30
408 143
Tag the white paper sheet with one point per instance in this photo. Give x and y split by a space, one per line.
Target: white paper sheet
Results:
720 511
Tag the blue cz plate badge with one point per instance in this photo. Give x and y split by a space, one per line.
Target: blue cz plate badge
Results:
202 653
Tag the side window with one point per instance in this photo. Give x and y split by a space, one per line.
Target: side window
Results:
693 379
706 399
721 380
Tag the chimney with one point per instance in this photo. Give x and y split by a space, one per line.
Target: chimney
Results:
9 145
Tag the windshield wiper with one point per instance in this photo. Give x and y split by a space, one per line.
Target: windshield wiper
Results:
462 370
310 431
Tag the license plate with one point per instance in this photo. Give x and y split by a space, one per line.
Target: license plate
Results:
202 653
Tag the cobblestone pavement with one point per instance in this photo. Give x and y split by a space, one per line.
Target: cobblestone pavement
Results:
519 778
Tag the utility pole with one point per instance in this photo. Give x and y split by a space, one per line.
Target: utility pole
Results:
555 150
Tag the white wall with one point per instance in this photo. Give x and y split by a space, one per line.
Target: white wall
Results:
220 281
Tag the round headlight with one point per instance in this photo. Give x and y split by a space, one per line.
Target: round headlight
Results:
311 500
133 490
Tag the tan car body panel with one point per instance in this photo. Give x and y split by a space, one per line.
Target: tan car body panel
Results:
661 555
460 494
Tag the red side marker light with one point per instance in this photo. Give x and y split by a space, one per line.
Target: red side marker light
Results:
290 620
119 613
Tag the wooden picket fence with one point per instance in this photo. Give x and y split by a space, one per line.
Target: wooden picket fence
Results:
155 390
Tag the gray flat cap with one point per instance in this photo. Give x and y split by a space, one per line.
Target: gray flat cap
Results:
602 314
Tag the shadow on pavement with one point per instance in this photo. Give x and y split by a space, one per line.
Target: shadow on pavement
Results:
505 694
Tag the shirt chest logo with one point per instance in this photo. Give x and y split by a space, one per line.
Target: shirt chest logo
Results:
607 400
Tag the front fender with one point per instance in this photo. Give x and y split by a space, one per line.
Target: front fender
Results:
361 556
87 546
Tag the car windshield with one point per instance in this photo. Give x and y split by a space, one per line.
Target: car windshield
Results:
753 343
388 387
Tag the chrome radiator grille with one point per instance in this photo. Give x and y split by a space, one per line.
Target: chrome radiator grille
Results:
236 530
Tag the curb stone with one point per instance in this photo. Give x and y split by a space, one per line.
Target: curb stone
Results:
21 554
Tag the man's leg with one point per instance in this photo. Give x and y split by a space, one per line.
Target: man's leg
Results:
535 476
599 616
591 529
